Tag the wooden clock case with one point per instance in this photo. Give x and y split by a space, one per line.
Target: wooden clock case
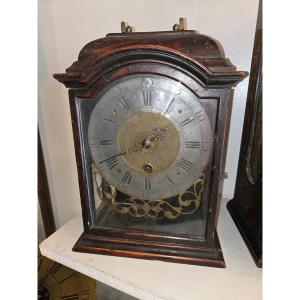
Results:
246 206
196 61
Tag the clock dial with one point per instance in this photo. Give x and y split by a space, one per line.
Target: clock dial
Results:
149 136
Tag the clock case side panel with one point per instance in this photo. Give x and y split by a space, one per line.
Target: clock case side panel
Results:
87 216
219 159
246 206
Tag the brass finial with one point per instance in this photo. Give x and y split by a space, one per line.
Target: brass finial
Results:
181 26
125 28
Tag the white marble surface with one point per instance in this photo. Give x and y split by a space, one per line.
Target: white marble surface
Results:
143 279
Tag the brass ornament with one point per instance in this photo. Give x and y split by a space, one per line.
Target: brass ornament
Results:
186 203
103 193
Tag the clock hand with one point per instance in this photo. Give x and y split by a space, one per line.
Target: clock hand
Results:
157 134
135 148
111 157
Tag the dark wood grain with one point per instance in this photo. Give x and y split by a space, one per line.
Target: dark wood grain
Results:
246 207
202 254
199 53
198 62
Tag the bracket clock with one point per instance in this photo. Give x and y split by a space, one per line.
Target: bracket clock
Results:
150 115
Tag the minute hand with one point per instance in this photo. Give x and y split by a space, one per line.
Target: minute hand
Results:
116 155
137 147
158 134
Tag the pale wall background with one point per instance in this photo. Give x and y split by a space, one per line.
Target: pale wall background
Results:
65 26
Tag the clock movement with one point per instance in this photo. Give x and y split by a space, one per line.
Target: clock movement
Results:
150 115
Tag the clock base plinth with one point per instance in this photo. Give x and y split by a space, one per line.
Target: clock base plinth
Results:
200 253
247 232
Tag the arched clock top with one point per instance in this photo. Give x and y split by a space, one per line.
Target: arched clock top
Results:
198 54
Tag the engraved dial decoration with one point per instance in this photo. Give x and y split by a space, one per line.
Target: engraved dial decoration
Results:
149 136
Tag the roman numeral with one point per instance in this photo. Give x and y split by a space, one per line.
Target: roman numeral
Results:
201 115
169 106
185 165
123 104
111 162
147 184
109 121
192 144
187 121
105 142
98 113
127 177
93 141
116 90
169 179
147 97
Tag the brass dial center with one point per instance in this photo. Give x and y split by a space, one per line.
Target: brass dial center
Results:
147 143
158 137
